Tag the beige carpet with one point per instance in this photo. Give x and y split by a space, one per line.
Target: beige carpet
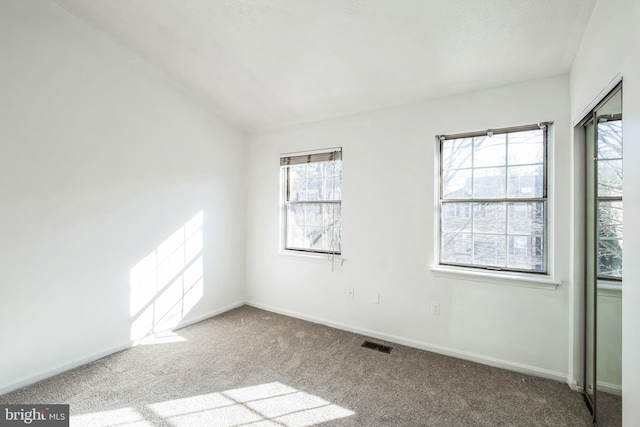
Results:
250 367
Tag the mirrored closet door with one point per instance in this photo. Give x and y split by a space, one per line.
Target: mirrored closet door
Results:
603 260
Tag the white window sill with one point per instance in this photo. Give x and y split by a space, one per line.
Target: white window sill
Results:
311 257
610 288
500 278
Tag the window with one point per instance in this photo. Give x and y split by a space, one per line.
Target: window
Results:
312 190
608 156
493 199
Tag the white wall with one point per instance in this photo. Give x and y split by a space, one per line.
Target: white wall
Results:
611 47
101 160
388 233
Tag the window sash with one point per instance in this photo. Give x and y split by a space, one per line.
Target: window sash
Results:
327 230
516 228
508 244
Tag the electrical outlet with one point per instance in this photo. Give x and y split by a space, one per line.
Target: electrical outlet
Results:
350 293
435 308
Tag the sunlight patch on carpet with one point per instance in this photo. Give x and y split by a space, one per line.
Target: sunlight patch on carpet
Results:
263 405
271 404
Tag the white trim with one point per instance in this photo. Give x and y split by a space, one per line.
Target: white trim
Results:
614 389
312 257
550 214
282 244
511 278
307 152
610 291
209 315
436 202
573 385
611 285
44 374
601 386
47 373
447 351
598 98
499 278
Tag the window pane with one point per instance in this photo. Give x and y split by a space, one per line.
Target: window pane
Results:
331 212
337 165
610 257
456 153
313 215
314 170
489 183
610 239
333 238
295 215
314 226
456 248
295 237
526 181
610 219
489 151
609 178
315 181
489 218
489 250
610 140
526 147
456 217
332 188
526 253
328 169
456 184
526 218
313 238
298 182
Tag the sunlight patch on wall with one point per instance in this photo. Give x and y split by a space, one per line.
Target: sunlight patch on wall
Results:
271 404
167 283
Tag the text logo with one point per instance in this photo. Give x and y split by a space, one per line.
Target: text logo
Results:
34 415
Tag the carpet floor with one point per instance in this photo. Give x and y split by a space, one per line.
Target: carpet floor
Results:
250 367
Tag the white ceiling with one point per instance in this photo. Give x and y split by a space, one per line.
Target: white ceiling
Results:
267 63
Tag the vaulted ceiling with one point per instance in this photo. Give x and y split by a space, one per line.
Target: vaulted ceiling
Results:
267 63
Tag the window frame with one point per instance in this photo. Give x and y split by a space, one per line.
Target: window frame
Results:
543 275
287 160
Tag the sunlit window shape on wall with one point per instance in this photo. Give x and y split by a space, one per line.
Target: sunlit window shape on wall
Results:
167 283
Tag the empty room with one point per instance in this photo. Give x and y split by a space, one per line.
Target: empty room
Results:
310 212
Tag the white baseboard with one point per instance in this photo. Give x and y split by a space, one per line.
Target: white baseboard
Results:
209 315
435 348
573 385
461 354
614 389
44 374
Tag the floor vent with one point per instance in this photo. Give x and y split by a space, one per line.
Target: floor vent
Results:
380 347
